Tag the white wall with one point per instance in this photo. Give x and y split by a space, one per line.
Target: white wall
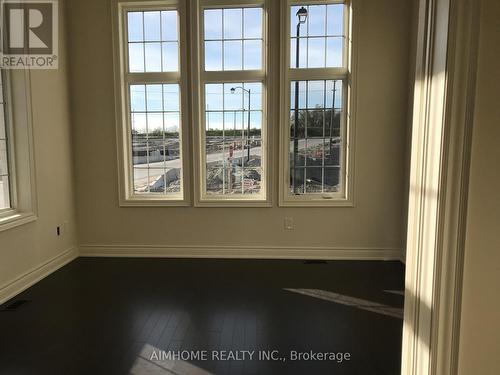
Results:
480 325
375 223
26 247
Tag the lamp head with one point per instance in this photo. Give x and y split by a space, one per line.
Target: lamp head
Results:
302 15
233 89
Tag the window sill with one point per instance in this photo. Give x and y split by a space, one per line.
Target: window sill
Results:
233 201
145 201
12 219
290 201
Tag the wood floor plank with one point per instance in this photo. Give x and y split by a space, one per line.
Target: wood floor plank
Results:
87 318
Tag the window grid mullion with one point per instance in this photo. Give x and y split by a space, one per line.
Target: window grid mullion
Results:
161 45
307 75
151 78
324 133
147 137
151 118
6 140
164 139
227 39
143 44
242 39
239 78
307 43
324 167
223 43
326 33
223 114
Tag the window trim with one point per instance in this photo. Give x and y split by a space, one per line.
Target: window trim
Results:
10 142
200 77
123 79
22 179
348 75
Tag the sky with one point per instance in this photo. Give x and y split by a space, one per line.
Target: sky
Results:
163 100
232 41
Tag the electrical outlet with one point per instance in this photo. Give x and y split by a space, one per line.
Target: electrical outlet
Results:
61 229
289 223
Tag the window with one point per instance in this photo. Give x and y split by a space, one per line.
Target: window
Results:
17 179
152 86
233 138
5 194
226 106
232 104
155 138
317 34
315 149
315 133
233 39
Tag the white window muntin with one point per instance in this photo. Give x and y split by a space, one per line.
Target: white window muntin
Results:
7 135
344 196
23 206
230 76
127 78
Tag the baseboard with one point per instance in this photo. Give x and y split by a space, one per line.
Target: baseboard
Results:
23 282
234 252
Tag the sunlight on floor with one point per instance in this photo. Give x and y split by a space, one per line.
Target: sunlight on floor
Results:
397 292
359 303
146 363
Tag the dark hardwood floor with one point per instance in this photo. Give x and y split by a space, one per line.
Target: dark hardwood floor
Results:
120 316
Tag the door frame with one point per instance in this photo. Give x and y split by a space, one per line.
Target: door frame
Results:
443 108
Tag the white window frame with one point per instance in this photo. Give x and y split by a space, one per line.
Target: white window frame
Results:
123 79
18 117
200 78
9 135
345 197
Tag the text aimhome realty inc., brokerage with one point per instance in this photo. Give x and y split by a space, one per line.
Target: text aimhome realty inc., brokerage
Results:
247 355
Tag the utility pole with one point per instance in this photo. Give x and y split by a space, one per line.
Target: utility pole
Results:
302 17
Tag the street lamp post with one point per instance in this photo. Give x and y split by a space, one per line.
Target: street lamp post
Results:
332 114
302 17
233 90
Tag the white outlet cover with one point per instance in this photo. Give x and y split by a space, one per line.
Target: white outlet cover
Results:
288 223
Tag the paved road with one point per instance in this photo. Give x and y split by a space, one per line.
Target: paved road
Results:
141 172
